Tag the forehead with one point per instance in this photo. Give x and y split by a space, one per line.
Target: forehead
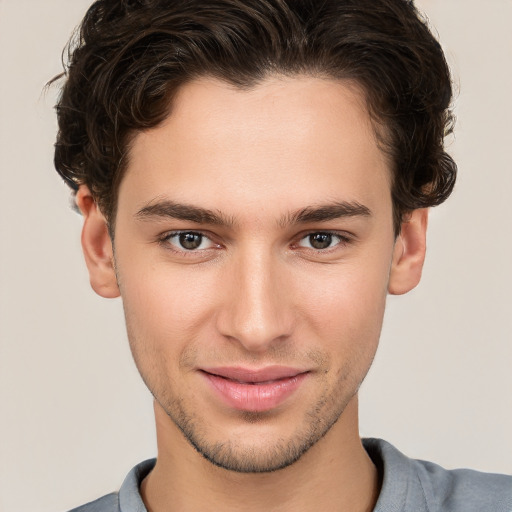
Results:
300 139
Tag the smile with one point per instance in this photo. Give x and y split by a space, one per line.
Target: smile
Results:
254 390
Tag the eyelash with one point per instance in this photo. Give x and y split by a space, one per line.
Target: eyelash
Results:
164 240
343 240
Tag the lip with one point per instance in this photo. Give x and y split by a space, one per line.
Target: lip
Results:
254 389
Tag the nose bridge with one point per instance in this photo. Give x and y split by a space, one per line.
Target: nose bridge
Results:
257 311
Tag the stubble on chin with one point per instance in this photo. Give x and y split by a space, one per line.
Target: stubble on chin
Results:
269 455
227 450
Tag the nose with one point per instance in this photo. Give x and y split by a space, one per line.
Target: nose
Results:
257 309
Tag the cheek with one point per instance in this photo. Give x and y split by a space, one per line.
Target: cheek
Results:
344 293
166 311
344 306
165 305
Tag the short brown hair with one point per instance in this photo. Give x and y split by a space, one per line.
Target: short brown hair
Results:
130 57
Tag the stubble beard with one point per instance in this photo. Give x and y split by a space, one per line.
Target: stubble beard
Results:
278 454
232 455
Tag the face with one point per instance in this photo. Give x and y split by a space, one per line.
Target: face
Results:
253 250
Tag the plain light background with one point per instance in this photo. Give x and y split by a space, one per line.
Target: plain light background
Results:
74 415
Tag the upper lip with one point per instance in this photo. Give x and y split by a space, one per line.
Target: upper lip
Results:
265 374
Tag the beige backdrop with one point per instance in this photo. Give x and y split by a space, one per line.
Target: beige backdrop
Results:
74 416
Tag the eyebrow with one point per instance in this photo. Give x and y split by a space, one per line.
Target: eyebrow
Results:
169 209
326 212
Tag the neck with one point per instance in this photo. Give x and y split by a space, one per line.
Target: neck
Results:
335 474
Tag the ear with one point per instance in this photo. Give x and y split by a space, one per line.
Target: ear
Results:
409 253
97 246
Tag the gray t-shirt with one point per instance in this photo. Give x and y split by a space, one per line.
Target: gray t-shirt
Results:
407 486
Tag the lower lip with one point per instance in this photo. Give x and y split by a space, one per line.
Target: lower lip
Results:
256 397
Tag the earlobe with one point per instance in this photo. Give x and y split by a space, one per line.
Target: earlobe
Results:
409 253
97 246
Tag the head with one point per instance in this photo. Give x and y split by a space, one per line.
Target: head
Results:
254 177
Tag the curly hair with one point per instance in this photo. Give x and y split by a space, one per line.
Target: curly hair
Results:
129 57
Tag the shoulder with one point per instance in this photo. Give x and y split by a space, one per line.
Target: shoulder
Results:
128 498
108 503
427 487
464 489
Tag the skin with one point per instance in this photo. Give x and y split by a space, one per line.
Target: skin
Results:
256 292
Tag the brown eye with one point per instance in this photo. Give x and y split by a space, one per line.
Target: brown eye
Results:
320 240
190 241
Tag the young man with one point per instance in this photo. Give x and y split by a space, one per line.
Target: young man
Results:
254 178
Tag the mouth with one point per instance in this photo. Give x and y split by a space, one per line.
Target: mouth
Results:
254 390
